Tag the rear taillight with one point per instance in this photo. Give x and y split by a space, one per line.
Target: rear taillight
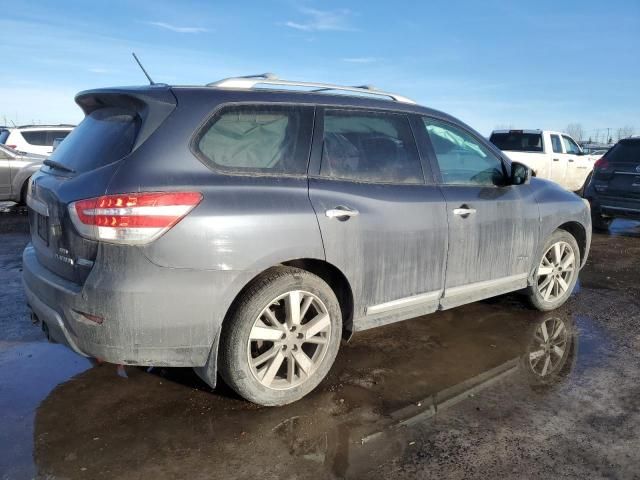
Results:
601 163
131 218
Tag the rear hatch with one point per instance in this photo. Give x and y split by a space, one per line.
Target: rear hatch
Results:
617 174
116 123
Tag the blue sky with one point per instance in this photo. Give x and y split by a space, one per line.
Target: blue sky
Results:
536 64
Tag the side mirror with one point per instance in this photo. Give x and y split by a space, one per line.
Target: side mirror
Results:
520 174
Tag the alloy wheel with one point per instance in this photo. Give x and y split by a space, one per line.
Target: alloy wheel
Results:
556 271
289 340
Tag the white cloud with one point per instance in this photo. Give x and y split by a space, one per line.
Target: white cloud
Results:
360 60
174 28
322 20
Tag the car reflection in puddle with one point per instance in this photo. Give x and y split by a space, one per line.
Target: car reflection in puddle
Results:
384 379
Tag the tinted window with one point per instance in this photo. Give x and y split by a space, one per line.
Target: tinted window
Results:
463 160
250 138
555 144
4 134
369 147
104 136
55 134
570 146
517 141
35 137
626 151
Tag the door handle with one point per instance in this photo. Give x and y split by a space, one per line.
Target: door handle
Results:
464 211
571 160
556 159
341 212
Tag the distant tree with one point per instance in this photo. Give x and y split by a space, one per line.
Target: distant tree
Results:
576 131
626 131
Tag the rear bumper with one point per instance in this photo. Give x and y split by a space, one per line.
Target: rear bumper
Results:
152 315
615 206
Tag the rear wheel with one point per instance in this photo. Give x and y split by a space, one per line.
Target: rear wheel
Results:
282 338
557 272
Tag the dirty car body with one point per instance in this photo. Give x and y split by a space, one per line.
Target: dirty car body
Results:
389 242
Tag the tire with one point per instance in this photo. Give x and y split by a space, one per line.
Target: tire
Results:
600 223
294 359
23 193
552 288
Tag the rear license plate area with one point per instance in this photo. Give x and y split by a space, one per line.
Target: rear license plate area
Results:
42 227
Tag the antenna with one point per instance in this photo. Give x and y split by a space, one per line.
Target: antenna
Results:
151 82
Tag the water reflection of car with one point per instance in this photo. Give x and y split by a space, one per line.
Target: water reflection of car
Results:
16 168
550 351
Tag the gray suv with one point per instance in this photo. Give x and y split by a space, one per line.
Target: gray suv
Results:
245 230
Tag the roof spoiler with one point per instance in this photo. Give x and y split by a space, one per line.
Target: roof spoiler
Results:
152 104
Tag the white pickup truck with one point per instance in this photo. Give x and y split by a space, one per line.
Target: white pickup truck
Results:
552 155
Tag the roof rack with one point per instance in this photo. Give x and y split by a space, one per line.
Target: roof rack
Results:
251 81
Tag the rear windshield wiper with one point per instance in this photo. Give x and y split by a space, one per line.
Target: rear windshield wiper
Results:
58 165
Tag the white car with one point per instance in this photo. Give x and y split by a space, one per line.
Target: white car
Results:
38 139
551 155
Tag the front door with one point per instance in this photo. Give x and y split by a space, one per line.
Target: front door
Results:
493 226
577 164
382 225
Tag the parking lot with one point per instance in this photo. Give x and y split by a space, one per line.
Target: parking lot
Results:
454 394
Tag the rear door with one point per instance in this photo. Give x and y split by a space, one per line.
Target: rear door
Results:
493 226
382 225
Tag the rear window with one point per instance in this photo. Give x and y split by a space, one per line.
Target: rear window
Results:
35 137
518 141
104 136
626 151
271 139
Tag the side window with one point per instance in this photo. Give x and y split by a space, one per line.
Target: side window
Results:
463 160
270 139
555 144
570 146
369 147
36 137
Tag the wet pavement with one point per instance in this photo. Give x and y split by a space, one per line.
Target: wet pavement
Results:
464 393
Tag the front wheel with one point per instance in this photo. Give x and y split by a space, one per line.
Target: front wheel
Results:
557 272
282 337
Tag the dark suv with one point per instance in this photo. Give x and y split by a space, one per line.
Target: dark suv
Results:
614 190
246 230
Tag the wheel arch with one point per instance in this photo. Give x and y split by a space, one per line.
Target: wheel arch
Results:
328 272
579 232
